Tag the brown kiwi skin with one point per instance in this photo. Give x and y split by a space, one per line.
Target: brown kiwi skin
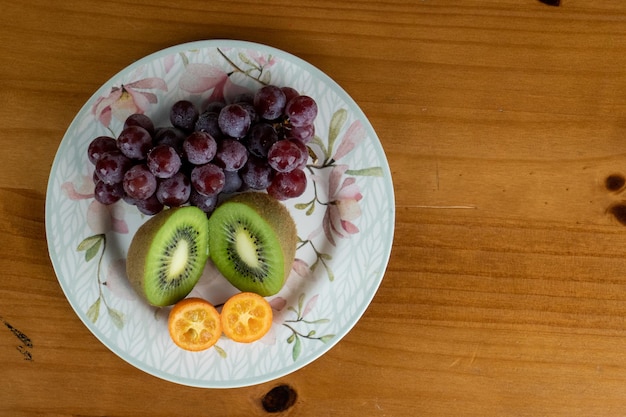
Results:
278 217
139 246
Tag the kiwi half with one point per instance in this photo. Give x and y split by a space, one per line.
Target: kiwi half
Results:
252 241
167 255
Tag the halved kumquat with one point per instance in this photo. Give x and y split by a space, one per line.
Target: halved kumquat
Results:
246 317
194 324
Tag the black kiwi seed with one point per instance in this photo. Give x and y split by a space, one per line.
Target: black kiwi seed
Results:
189 234
255 274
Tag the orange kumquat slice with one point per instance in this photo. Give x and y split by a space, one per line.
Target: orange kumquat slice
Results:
246 317
194 324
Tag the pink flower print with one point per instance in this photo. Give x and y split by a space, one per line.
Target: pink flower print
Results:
278 317
343 207
301 268
202 78
353 136
261 59
169 61
299 275
127 99
280 313
278 305
81 190
101 218
211 287
310 305
117 281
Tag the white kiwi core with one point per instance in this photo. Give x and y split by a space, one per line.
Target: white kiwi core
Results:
246 249
179 259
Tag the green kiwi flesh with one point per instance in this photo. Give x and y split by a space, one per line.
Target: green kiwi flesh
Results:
167 255
252 241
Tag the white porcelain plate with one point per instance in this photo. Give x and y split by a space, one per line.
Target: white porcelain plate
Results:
345 219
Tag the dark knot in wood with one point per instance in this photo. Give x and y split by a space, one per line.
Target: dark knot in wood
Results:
279 399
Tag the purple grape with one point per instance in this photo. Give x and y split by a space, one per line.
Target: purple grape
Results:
232 182
200 148
149 206
251 111
301 110
112 166
286 185
260 139
171 136
244 98
163 161
128 199
289 93
203 202
141 120
108 193
304 153
257 174
285 155
207 122
214 107
303 133
184 115
269 102
208 179
231 155
99 146
139 183
234 121
174 191
134 142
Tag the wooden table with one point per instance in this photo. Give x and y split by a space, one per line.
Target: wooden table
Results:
502 120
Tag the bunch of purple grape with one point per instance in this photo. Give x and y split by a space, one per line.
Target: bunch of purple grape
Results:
256 142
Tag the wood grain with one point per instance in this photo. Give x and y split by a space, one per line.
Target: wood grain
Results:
505 294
